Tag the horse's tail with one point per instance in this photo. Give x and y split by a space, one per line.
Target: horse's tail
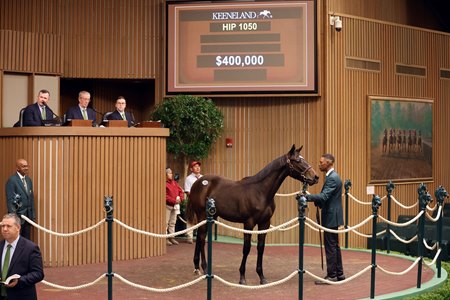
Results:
190 214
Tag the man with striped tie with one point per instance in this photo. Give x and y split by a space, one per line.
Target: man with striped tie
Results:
120 113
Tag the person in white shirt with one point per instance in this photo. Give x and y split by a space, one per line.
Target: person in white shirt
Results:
195 169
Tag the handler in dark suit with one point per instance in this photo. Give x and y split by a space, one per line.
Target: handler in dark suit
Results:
35 114
20 197
120 113
330 201
24 259
82 111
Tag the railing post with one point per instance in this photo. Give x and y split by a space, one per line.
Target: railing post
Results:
424 199
440 194
389 188
302 205
108 204
347 186
376 203
210 212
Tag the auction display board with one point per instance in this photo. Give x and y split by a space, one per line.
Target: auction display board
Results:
228 47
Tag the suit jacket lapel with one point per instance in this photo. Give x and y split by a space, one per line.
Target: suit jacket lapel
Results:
17 253
20 183
2 245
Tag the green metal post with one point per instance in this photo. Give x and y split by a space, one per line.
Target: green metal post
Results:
210 212
347 186
440 194
108 204
302 205
376 203
424 199
389 188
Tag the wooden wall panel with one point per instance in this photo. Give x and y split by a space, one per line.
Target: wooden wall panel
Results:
348 89
73 170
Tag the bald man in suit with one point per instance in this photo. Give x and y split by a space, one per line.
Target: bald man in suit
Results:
20 196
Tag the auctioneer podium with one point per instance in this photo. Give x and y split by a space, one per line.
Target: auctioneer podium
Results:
72 169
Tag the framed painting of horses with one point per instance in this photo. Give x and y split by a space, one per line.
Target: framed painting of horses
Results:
400 139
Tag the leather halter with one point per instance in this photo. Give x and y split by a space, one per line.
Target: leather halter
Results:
291 169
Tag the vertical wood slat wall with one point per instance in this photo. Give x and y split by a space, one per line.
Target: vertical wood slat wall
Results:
72 174
347 101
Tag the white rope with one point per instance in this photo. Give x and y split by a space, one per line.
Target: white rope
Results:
402 224
286 229
435 258
312 227
256 287
402 240
432 208
288 195
160 235
256 231
403 272
342 230
428 246
438 215
181 219
342 281
404 206
368 235
143 287
358 201
71 288
62 234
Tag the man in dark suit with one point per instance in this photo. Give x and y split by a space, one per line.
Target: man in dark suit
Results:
35 114
82 111
23 257
120 113
20 197
330 201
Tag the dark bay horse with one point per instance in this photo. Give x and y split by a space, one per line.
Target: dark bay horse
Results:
249 201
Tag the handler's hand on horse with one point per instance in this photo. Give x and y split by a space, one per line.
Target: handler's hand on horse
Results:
318 203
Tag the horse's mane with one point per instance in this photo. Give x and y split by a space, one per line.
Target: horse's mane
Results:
264 172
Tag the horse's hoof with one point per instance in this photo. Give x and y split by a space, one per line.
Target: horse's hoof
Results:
243 282
263 281
197 272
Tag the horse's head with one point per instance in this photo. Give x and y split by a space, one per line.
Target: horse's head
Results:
299 168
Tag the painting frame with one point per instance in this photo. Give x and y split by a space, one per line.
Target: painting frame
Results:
400 139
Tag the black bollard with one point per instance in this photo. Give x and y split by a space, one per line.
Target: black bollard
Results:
376 203
302 205
347 186
108 204
389 188
210 212
424 199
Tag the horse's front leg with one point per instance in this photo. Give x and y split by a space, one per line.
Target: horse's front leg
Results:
260 248
245 252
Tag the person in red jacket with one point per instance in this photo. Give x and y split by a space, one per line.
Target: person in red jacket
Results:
174 196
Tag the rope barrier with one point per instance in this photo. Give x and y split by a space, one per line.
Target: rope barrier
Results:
438 215
358 201
62 234
435 258
256 287
402 240
339 231
288 195
342 281
404 206
368 235
402 224
285 229
159 235
256 231
143 287
403 272
428 246
72 288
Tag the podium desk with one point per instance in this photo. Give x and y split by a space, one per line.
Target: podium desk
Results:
73 169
